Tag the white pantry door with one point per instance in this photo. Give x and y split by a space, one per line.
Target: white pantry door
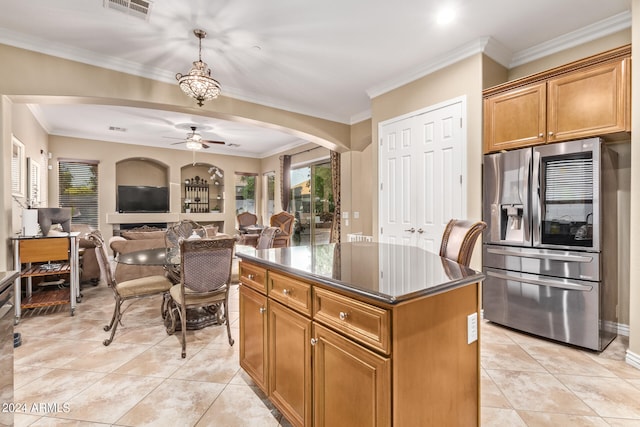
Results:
421 163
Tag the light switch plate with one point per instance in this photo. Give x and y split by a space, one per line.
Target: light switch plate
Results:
472 328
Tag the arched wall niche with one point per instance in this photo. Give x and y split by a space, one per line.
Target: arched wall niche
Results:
202 188
140 171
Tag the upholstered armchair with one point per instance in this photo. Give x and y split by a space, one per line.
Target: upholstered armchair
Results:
285 222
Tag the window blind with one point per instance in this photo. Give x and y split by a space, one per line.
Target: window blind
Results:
569 180
78 190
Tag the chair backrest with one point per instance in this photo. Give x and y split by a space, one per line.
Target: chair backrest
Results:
284 221
178 232
358 237
205 264
265 241
245 219
102 257
459 238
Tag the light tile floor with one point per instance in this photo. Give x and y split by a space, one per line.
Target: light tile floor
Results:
65 376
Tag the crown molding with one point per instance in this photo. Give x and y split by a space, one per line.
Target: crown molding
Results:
456 55
583 35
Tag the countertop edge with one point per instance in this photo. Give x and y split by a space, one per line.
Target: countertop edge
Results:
361 292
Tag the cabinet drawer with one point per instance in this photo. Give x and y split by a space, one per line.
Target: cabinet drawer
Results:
43 250
290 292
253 276
363 322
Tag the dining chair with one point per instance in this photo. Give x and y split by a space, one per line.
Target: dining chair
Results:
285 221
246 219
267 237
459 239
125 290
182 230
205 277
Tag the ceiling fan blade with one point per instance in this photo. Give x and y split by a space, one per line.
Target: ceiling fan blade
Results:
206 141
181 142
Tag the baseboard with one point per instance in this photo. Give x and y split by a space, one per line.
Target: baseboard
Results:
633 359
616 328
623 329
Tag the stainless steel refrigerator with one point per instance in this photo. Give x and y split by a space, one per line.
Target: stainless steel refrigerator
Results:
550 248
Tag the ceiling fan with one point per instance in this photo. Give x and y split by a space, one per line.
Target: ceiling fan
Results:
194 140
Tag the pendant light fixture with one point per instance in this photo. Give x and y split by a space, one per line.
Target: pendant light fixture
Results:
198 83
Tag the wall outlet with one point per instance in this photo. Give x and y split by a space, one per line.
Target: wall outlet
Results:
356 215
472 328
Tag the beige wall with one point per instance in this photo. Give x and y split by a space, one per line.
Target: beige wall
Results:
612 41
110 154
462 79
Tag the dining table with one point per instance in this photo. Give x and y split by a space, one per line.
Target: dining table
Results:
197 318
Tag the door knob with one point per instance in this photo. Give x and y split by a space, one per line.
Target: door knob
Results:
314 341
412 230
262 310
420 230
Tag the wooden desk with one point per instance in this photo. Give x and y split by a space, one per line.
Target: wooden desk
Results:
46 256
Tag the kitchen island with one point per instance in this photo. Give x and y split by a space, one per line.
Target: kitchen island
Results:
361 334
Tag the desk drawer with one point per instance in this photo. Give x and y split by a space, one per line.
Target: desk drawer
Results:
43 250
290 292
360 321
253 276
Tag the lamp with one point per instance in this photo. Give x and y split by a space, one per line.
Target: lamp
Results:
193 145
198 83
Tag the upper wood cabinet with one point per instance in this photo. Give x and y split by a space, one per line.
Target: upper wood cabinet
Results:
586 98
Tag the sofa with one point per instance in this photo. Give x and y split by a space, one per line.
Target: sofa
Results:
131 241
89 268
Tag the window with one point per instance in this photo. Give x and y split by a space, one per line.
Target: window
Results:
245 186
270 193
33 183
17 167
78 185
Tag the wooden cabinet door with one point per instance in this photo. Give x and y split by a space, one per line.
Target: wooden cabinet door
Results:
515 119
352 385
290 363
253 335
588 102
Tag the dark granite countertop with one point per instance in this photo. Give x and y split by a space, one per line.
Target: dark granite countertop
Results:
383 272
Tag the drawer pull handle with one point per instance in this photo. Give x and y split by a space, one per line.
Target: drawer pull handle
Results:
262 310
343 315
251 276
314 341
287 292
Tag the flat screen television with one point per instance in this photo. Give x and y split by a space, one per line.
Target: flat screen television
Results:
142 198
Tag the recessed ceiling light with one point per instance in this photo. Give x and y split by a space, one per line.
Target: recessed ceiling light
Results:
445 16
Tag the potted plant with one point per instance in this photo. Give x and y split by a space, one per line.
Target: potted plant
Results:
216 209
187 206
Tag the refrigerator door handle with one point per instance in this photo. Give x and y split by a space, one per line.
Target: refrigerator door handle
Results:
536 208
551 283
526 198
552 257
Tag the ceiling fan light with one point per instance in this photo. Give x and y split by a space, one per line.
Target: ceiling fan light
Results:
194 145
198 83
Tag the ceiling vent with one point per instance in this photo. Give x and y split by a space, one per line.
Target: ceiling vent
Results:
138 8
